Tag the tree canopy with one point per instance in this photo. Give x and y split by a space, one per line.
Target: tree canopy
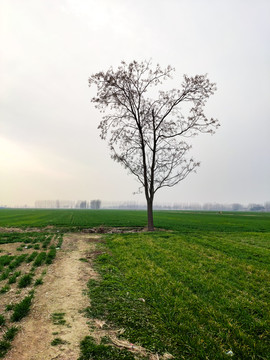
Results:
149 135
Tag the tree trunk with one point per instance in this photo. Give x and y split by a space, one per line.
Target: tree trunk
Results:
150 226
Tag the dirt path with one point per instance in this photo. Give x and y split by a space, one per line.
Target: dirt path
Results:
61 293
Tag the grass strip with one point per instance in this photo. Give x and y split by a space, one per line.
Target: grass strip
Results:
51 256
189 295
58 341
39 260
4 347
25 281
10 333
92 351
22 308
5 343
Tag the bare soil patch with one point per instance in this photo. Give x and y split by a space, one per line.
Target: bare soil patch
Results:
11 229
11 248
63 292
118 230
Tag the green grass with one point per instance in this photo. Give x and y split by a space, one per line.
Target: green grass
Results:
10 333
92 351
6 260
51 256
4 347
198 291
173 220
59 241
58 341
18 260
5 274
32 256
196 296
39 281
58 318
46 242
22 308
9 272
5 344
17 237
25 280
4 289
9 307
40 259
12 279
2 320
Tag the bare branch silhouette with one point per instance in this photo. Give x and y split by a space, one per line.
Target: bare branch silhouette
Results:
148 136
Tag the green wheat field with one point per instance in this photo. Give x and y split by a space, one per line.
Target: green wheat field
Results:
197 289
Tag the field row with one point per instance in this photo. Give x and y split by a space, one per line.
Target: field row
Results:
24 258
170 220
197 291
193 296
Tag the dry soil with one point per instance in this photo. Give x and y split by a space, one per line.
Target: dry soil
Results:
64 291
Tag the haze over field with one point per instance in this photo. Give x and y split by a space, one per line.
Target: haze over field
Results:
49 142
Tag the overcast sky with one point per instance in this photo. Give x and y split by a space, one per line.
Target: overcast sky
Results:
49 142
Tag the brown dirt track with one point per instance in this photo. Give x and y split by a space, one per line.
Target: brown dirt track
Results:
63 291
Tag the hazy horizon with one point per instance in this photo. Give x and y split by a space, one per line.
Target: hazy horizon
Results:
49 143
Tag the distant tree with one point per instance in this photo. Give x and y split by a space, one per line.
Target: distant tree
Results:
146 135
237 207
95 204
256 207
83 205
267 206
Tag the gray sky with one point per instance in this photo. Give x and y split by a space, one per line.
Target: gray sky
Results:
49 142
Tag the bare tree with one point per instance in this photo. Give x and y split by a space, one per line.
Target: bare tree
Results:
95 204
147 135
267 206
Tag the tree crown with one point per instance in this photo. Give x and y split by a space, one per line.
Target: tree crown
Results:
148 135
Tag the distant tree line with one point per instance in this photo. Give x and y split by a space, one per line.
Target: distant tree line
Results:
189 206
96 204
68 204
